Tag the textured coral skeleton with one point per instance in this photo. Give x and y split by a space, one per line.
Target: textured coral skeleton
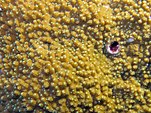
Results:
53 56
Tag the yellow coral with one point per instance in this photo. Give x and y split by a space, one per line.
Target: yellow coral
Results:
53 58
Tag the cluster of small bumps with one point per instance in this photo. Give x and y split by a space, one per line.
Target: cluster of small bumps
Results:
52 56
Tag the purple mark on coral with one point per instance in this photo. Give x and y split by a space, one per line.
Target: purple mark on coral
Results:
113 48
130 40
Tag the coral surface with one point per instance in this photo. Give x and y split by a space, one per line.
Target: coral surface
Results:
53 56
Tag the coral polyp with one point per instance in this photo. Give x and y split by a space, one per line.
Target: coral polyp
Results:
52 56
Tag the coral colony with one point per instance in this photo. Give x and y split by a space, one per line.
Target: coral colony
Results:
52 57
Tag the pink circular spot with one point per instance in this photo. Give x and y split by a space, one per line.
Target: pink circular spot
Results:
113 48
